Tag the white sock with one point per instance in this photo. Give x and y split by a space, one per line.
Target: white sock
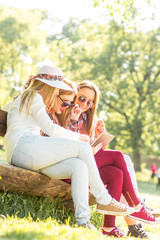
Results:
138 207
108 230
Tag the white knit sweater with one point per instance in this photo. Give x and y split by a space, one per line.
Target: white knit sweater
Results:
22 123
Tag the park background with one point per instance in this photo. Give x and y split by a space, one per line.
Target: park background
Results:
115 44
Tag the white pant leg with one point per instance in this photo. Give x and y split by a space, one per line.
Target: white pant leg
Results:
77 170
38 152
132 175
131 171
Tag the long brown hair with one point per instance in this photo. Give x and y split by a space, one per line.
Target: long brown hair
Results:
47 93
87 127
64 117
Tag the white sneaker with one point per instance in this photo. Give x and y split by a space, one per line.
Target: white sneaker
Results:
88 225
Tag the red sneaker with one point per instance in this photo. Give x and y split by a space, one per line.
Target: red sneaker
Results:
115 232
144 216
154 212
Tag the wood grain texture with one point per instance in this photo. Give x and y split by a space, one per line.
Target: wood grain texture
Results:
27 182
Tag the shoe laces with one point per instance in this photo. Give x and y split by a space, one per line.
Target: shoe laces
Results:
141 231
148 208
145 210
120 233
120 230
119 205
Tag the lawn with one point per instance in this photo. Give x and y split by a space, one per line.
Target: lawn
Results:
27 218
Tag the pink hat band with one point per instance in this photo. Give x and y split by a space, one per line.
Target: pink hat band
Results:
48 76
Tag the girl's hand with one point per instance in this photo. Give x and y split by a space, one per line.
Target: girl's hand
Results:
100 127
96 148
76 112
84 138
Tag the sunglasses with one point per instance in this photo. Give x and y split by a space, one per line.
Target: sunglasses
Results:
65 104
83 100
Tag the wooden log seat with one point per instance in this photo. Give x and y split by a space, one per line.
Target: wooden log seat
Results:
27 182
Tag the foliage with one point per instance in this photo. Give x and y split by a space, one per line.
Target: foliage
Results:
24 217
21 46
119 10
126 68
124 65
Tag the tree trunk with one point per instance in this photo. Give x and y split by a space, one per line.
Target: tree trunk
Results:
22 181
31 183
137 162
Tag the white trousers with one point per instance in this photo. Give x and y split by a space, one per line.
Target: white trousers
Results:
132 175
64 158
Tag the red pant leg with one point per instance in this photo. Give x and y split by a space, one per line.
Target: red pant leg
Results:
113 178
116 159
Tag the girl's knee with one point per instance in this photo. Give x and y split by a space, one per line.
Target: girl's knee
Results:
118 155
83 146
86 145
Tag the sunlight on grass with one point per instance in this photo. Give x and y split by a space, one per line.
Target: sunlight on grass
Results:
26 229
33 218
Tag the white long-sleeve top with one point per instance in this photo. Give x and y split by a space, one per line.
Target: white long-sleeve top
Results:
19 124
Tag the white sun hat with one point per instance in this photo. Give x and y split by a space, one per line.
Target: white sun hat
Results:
52 76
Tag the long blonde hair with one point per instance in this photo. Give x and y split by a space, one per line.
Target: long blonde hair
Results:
47 93
87 127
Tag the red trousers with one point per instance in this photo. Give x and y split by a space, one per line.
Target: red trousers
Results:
114 173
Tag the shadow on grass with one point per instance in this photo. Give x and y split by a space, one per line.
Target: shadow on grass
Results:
148 188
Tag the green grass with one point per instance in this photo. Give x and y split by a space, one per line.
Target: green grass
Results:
26 229
33 218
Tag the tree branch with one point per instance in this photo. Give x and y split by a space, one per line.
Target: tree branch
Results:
120 112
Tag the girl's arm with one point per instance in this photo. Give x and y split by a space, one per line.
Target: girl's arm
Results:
45 123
